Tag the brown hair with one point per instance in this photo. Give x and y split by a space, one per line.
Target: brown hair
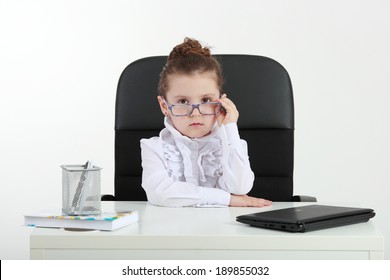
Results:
189 57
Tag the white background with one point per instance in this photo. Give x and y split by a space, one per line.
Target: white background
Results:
60 62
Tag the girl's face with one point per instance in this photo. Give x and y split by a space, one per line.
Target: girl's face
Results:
191 89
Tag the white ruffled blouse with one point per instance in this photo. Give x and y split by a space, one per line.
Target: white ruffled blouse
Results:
181 171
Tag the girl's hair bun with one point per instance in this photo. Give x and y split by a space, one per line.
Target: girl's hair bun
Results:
188 58
189 47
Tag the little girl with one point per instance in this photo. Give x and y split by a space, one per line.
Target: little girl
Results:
199 158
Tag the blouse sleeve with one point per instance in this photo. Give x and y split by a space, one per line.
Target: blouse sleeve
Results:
238 176
162 190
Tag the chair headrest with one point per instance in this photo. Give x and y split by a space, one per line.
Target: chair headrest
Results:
259 86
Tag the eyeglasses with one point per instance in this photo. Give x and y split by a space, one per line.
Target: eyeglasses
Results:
207 109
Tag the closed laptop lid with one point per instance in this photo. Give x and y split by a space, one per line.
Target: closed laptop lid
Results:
305 214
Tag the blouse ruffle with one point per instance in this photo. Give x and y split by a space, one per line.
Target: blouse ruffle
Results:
205 170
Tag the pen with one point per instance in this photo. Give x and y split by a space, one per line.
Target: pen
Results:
80 186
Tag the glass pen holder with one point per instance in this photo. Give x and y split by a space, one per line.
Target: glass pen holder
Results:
81 190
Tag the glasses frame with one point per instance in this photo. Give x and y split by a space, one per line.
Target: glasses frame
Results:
194 106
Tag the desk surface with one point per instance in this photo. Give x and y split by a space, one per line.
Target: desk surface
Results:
204 233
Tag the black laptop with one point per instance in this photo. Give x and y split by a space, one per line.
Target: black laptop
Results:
307 218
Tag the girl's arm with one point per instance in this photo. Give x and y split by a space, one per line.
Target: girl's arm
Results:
237 173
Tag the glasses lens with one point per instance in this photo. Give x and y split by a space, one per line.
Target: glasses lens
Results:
181 110
209 108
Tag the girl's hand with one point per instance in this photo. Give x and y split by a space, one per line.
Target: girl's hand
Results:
229 114
248 201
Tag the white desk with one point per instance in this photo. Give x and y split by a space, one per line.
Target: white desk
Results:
204 233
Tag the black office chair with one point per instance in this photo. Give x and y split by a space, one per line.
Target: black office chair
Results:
261 89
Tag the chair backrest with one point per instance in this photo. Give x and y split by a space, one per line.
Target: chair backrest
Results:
261 89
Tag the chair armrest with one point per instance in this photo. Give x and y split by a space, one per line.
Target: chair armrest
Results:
304 198
107 197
